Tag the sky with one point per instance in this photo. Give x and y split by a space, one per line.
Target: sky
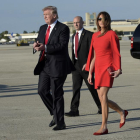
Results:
26 15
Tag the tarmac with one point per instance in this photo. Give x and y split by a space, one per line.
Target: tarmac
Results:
23 116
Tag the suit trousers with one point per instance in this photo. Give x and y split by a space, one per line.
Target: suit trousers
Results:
77 77
55 101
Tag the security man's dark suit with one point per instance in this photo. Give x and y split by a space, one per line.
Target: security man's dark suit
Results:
78 76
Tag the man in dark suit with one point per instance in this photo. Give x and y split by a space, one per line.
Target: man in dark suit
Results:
80 48
53 65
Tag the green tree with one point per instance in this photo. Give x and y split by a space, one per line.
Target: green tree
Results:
33 32
5 37
116 32
119 33
5 32
17 34
25 32
74 31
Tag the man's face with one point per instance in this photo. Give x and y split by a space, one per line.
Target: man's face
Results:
49 17
78 23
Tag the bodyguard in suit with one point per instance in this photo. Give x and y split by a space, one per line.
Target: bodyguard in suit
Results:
53 64
80 48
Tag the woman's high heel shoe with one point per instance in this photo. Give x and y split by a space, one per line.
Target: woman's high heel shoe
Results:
105 132
125 114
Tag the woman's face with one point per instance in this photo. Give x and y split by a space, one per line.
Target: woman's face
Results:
101 21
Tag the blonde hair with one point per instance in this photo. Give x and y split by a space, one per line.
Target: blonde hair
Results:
53 8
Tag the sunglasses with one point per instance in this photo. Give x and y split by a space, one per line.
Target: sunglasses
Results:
99 19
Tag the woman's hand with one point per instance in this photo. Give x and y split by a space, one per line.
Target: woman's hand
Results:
90 79
116 73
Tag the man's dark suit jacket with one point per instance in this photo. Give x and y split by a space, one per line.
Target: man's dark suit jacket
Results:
57 57
83 47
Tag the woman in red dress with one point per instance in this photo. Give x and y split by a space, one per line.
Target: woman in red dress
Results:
105 60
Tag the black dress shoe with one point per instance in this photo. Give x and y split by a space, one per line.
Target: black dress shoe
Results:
52 123
72 114
59 127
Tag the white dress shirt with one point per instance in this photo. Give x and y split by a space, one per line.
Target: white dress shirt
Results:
79 35
52 26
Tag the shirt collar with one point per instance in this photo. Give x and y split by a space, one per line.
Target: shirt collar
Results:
80 31
53 24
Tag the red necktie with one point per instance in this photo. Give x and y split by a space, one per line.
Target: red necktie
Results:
46 40
76 44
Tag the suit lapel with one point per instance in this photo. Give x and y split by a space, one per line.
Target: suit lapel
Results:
44 33
53 31
73 55
73 40
81 38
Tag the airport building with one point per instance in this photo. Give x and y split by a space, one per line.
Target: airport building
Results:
28 37
127 26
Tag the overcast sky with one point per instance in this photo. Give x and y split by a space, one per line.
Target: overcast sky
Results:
19 15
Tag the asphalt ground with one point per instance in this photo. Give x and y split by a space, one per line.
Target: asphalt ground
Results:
23 116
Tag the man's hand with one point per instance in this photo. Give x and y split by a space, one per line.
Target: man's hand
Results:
39 46
35 44
83 67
